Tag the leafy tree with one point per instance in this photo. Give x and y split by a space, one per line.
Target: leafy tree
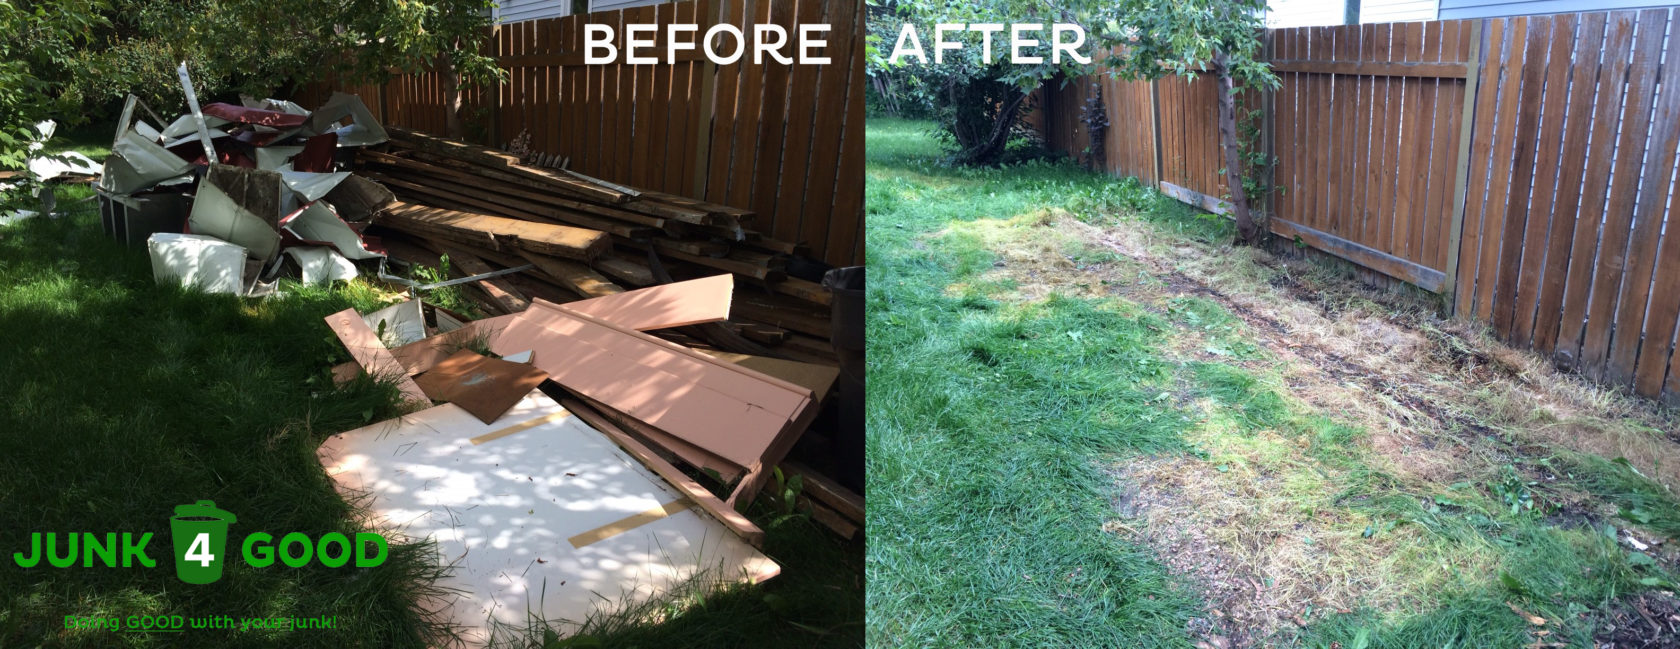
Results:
978 104
37 41
68 60
1189 37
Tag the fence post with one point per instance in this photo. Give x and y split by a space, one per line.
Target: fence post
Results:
1155 126
1461 175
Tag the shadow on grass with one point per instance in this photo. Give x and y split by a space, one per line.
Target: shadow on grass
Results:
125 399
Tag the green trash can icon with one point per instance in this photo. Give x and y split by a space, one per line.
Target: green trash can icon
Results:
199 532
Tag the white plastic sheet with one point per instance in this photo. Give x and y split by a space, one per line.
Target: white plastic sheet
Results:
208 263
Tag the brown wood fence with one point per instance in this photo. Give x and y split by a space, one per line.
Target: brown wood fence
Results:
785 141
1523 167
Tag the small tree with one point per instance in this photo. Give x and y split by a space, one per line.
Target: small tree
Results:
977 104
1189 37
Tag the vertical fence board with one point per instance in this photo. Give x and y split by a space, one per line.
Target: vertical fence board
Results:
1624 182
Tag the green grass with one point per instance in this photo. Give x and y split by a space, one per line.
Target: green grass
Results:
989 423
993 419
126 398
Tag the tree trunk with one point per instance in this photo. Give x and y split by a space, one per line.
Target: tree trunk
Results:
990 149
451 97
1247 231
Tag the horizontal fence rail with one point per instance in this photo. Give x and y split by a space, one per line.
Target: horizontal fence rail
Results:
785 141
1524 167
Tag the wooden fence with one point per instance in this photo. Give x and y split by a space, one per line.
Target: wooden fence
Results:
1523 167
785 141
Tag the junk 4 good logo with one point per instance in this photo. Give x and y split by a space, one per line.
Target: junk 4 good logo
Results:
200 532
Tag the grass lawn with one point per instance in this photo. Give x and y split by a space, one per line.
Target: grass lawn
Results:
1094 423
125 399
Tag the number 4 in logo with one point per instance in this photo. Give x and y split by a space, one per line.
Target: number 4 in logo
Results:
200 550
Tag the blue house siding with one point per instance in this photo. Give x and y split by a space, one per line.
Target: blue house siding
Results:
1306 13
1455 9
1396 11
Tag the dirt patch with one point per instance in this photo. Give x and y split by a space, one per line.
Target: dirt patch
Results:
1650 620
1241 610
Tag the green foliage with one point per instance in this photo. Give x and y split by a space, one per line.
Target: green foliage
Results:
72 60
38 41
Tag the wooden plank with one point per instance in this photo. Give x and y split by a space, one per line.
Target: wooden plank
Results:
1594 187
1630 153
497 233
702 87
1656 356
677 304
504 295
730 518
1648 220
724 119
741 415
1406 171
1453 143
804 290
640 145
1375 218
364 346
827 130
1566 208
1541 207
574 276
625 271
846 223
669 446
670 103
501 162
1499 180
1415 70
1429 119
1517 213
772 120
751 106
819 487
796 140
1311 210
1340 132
516 186
1355 125
1424 277
1290 147
595 75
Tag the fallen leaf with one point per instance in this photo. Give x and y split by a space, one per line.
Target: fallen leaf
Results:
1532 618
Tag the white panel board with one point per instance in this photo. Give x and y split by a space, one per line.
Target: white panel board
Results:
505 512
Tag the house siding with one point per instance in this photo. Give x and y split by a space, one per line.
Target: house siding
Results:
1455 9
512 11
1306 13
1396 11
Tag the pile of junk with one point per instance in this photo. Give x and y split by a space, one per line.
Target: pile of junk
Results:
633 371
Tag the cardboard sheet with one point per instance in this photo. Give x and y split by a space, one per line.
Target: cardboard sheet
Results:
483 386
552 520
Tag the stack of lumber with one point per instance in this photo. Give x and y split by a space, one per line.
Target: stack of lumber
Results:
587 238
732 417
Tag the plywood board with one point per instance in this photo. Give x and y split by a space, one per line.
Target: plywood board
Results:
371 354
553 519
731 411
661 307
